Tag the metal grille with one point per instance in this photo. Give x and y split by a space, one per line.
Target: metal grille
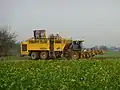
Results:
24 47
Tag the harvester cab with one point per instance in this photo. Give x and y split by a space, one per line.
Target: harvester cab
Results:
77 45
39 34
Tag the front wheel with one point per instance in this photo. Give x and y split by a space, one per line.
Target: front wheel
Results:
75 55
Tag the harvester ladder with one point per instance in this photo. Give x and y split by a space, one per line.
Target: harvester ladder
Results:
52 52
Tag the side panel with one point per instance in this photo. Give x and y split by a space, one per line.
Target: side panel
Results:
57 47
38 46
25 47
61 46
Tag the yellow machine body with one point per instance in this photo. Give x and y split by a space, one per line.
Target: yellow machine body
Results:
41 47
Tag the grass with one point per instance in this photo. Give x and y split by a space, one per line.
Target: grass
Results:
110 54
60 75
18 73
113 54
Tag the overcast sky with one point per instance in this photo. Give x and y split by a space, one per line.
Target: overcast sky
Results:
95 21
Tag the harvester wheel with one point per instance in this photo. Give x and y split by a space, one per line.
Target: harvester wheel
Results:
43 55
34 55
87 55
75 55
58 54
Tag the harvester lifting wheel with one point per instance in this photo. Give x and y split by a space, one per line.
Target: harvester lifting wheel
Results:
43 55
75 55
34 55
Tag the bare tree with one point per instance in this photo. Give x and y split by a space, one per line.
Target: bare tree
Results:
7 40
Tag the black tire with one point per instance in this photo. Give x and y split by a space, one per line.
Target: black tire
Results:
58 55
44 55
66 55
75 55
34 55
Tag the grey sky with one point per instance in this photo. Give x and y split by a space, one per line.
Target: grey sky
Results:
97 21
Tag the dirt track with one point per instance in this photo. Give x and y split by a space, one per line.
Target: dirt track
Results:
27 59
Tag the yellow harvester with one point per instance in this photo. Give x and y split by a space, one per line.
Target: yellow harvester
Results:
54 46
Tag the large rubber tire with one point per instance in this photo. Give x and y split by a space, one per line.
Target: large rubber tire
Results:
75 55
87 55
34 55
44 55
58 54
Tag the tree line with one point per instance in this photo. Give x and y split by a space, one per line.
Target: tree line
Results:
7 41
8 45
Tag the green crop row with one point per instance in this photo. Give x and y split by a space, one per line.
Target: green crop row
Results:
60 75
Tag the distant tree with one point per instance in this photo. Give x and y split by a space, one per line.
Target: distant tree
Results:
95 47
103 47
7 40
113 48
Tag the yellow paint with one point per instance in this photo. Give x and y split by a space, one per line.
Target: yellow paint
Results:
40 45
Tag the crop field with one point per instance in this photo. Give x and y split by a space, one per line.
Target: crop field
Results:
98 74
111 54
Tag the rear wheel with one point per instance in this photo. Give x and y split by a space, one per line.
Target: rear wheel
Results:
43 55
34 55
75 55
58 54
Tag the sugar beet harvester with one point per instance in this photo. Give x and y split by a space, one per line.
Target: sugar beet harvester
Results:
41 47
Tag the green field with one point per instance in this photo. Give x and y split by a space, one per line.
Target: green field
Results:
23 74
110 54
64 75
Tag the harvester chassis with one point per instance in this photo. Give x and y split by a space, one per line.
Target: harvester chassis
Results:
40 47
69 54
